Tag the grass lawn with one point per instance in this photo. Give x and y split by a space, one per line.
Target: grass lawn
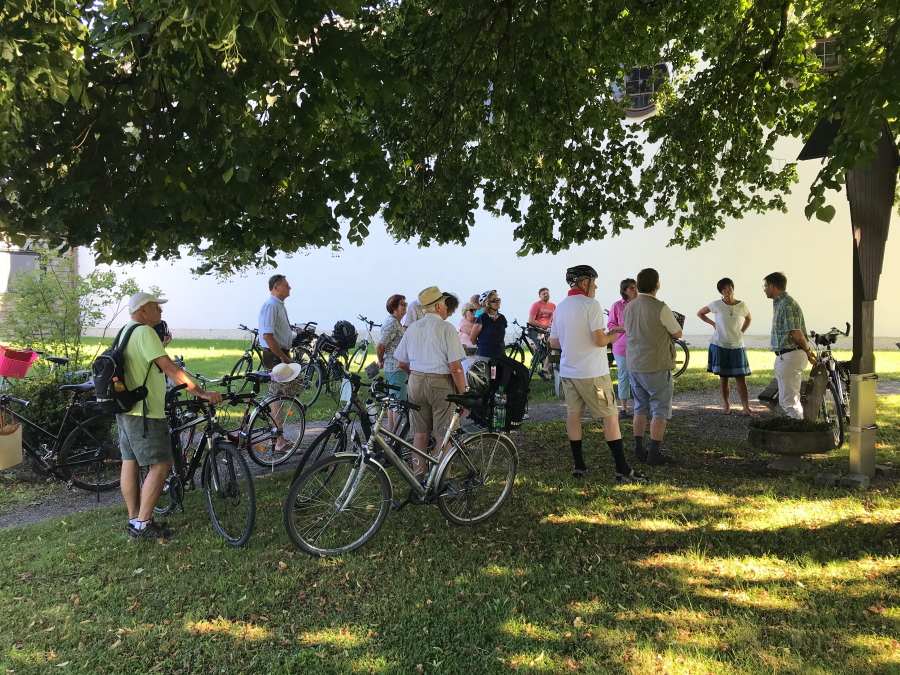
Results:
713 568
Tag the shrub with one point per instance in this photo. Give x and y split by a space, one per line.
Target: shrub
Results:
788 424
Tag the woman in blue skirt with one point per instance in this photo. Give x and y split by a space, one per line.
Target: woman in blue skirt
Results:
727 356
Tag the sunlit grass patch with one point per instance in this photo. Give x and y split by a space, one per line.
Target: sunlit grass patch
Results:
341 637
236 629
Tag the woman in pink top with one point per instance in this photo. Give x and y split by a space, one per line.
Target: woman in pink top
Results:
628 291
466 321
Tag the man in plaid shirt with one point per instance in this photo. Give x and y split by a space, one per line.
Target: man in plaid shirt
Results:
788 341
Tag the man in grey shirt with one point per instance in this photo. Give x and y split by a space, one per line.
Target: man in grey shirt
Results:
650 328
275 331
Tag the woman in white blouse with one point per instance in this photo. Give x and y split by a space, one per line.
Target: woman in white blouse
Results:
727 356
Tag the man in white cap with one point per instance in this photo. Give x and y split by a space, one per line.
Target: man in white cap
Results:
432 353
147 364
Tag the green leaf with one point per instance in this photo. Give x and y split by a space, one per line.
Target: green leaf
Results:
228 173
826 213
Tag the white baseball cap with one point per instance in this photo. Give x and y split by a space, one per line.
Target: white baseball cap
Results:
138 300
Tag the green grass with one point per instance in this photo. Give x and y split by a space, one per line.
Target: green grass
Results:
713 568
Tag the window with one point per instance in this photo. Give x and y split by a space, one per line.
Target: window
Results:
826 50
641 85
13 262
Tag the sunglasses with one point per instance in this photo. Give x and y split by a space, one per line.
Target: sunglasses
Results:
404 304
496 300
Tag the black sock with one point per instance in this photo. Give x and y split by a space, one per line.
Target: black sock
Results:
655 448
577 456
618 453
639 445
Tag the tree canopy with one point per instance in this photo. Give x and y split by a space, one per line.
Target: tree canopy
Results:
243 128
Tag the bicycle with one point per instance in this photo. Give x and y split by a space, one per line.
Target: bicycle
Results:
529 335
339 503
835 409
87 457
326 368
342 433
357 361
228 485
246 363
265 422
301 347
682 351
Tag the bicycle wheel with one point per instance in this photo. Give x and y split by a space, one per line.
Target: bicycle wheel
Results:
301 355
682 358
477 478
832 412
276 421
334 379
309 384
515 352
172 495
330 442
357 361
243 366
337 505
230 497
90 455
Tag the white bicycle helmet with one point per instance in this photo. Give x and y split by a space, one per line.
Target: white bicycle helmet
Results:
484 296
479 377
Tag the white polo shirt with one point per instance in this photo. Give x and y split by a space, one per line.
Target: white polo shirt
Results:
574 322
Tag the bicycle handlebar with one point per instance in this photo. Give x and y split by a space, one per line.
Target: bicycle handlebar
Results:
6 398
371 324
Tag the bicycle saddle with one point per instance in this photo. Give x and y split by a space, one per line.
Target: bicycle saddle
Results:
468 400
258 377
58 360
80 388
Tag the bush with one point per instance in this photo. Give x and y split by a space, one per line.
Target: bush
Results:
789 424
47 404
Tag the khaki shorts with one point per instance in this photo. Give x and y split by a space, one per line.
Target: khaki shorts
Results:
594 393
156 447
436 413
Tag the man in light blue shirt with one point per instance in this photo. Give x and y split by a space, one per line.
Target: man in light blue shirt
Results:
275 331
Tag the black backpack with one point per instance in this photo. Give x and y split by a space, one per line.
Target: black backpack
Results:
344 334
109 370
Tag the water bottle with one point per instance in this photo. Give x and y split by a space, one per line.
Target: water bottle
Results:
118 386
500 410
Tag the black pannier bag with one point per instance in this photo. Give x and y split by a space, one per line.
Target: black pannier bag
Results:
344 334
489 376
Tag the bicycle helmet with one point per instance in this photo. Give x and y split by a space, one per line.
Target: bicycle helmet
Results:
579 272
484 296
479 377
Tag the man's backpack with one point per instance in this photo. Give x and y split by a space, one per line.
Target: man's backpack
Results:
486 377
344 334
113 395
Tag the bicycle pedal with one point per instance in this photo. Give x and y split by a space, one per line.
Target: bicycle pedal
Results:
397 506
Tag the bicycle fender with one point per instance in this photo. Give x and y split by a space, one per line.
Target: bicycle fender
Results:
371 463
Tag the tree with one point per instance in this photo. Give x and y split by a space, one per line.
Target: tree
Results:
241 127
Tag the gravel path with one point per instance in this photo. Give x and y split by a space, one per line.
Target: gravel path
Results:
700 410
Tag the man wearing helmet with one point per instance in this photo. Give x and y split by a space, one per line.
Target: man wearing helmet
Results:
578 330
651 327
431 353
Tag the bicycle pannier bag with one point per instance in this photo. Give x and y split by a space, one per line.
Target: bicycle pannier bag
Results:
344 334
515 379
109 371
10 442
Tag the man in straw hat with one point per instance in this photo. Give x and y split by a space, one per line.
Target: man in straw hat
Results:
432 353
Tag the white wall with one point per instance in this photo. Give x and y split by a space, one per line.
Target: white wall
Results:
816 257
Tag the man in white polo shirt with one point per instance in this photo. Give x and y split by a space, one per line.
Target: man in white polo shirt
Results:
578 330
432 353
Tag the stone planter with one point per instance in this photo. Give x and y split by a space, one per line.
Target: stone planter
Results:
791 445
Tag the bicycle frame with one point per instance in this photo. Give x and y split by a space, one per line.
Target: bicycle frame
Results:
58 470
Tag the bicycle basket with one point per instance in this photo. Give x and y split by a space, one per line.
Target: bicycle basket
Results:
16 362
679 318
344 334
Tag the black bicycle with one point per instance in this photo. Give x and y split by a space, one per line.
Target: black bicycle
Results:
326 368
537 343
228 485
302 345
87 457
250 360
835 409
